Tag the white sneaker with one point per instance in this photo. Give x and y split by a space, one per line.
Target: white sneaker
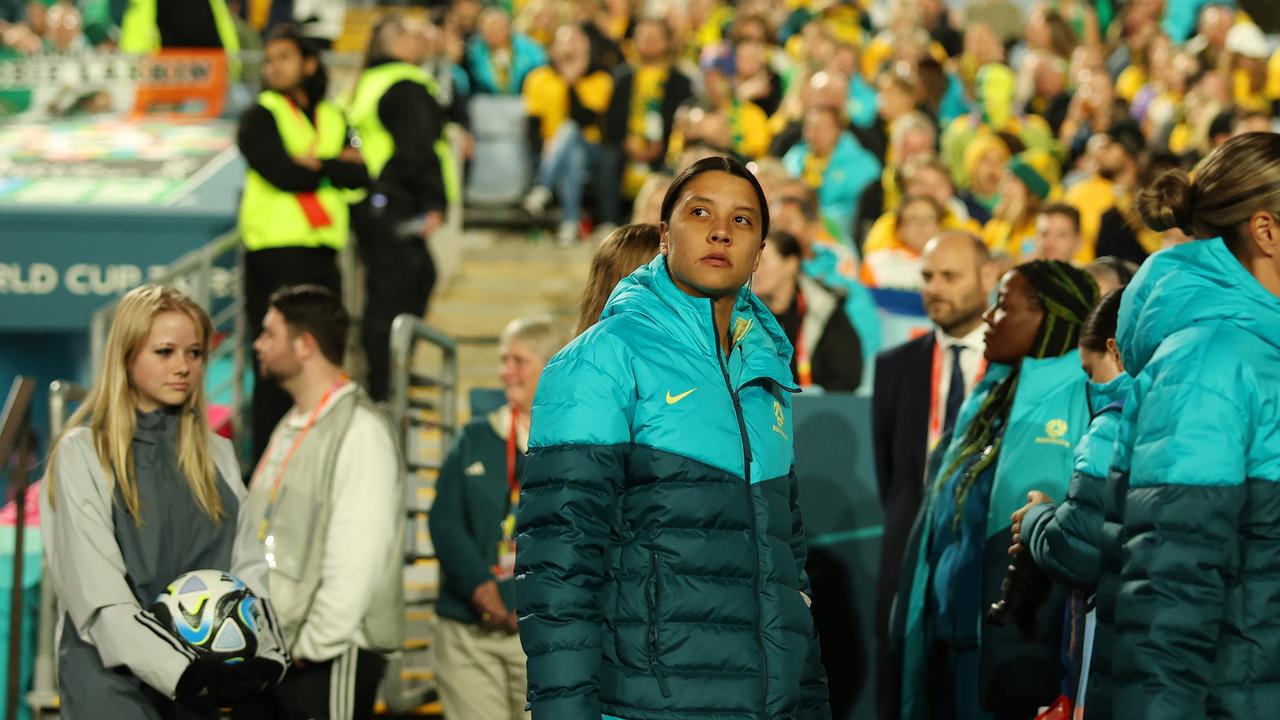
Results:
567 233
535 203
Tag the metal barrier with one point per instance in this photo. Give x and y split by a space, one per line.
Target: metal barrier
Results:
203 274
43 698
17 450
424 409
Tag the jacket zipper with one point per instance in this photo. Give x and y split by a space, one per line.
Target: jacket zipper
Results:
751 513
655 621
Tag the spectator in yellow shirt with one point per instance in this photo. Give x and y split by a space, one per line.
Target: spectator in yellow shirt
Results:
1057 234
1249 51
1031 178
898 265
566 102
750 125
646 96
925 176
984 162
1116 177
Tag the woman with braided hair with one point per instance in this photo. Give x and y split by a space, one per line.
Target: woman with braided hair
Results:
1015 433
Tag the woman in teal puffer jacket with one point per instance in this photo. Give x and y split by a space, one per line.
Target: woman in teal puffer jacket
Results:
660 555
1199 448
1074 540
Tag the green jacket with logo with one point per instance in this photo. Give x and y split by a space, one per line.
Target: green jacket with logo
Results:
472 500
660 557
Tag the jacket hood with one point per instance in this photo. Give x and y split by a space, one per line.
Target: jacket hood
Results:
651 293
1196 282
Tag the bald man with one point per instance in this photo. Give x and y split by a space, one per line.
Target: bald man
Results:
919 387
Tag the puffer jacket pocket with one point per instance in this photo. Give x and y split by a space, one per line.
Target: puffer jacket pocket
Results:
653 596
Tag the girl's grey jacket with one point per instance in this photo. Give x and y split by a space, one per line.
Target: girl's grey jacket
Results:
115 659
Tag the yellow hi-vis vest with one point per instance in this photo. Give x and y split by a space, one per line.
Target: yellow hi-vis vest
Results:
273 218
140 36
376 144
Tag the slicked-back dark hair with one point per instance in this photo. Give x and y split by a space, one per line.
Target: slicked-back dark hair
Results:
315 309
317 85
715 164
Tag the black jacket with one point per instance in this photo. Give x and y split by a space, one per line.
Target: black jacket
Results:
834 346
900 434
677 91
413 177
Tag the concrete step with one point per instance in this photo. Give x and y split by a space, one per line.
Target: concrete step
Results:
500 276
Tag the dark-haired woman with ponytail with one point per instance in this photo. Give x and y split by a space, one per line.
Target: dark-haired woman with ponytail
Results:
1077 542
660 553
1198 456
1014 434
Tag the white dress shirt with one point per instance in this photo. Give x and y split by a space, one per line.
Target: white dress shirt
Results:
973 346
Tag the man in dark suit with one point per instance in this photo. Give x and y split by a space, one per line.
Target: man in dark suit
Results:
919 387
638 123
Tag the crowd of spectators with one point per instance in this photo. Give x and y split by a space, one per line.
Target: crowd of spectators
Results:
903 116
1029 122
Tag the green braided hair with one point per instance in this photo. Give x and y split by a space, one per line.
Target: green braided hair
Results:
1067 295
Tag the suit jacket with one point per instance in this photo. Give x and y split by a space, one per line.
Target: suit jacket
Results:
900 431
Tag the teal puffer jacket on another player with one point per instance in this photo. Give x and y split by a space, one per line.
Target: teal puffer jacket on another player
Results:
660 555
1199 596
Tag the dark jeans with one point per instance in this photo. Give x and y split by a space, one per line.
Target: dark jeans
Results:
609 184
399 277
344 688
266 271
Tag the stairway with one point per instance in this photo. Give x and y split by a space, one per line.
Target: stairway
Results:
494 277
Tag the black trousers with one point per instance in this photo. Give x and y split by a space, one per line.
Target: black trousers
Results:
344 688
399 277
266 271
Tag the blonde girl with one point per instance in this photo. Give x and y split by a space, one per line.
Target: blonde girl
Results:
137 492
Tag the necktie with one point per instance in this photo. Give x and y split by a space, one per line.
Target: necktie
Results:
955 392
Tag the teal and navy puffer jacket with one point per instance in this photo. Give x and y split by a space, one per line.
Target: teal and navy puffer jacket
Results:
660 555
1074 541
1198 610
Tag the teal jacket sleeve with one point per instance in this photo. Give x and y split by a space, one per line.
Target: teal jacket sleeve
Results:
1186 491
1065 539
568 504
463 562
814 704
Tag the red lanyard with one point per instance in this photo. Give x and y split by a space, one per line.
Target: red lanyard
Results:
804 367
293 448
512 482
936 405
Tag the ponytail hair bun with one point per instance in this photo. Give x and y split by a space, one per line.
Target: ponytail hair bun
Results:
1168 203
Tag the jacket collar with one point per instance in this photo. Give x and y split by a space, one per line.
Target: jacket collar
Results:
1103 395
650 291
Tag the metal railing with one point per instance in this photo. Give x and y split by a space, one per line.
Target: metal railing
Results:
424 410
204 276
17 447
43 698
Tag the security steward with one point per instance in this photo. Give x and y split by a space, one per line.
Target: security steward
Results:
294 214
400 125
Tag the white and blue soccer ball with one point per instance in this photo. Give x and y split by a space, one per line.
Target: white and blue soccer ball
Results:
214 613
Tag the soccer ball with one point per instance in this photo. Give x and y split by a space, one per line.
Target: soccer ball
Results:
212 612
